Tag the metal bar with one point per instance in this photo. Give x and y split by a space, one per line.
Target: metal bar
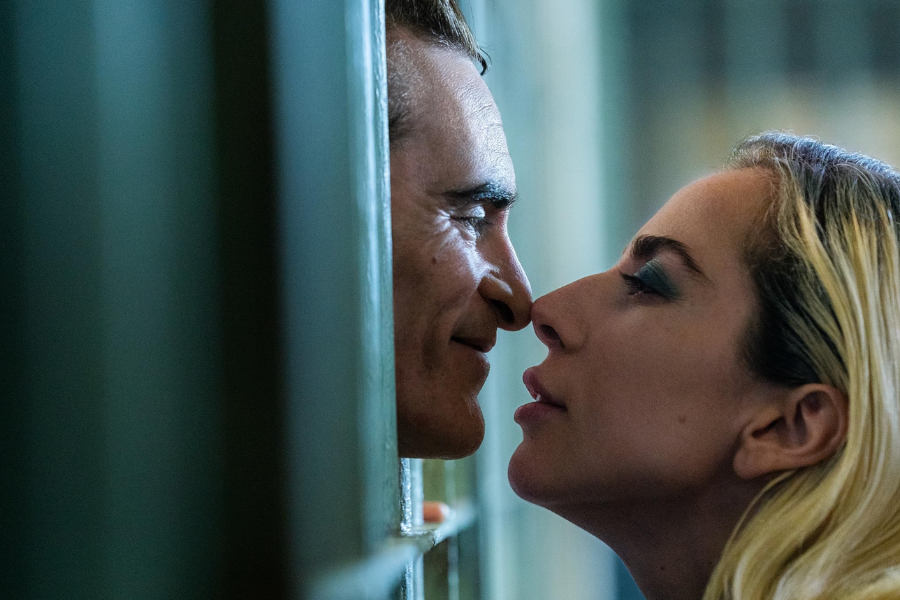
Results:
412 475
254 562
756 65
843 40
55 397
115 426
160 284
330 113
378 572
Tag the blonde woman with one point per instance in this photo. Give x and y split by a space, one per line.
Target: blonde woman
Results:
722 408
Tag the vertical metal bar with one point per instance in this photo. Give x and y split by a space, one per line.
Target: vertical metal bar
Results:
756 41
441 565
367 74
114 238
571 132
13 412
255 533
843 44
159 297
413 486
453 568
57 492
469 564
616 122
437 475
413 586
330 114
466 559
756 65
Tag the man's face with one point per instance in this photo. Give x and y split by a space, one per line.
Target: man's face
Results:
456 275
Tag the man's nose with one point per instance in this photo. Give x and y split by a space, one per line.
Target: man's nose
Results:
507 290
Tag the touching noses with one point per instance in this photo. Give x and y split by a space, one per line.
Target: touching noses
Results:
507 290
548 335
557 319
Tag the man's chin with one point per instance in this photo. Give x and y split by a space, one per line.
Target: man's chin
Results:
454 437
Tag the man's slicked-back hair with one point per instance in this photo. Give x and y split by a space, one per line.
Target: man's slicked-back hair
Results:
435 21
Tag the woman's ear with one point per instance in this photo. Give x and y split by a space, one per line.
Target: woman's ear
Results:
801 428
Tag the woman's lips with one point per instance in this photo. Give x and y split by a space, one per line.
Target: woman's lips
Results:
537 390
544 405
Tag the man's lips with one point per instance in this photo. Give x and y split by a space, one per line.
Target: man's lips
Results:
482 344
537 390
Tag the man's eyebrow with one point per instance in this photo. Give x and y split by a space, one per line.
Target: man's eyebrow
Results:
501 197
645 247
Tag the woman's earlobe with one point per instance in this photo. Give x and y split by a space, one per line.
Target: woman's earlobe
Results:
805 426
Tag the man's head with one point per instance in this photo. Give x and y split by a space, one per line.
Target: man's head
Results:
456 275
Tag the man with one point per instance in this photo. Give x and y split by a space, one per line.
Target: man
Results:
456 275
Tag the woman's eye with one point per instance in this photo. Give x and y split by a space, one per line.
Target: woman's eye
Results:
636 285
651 279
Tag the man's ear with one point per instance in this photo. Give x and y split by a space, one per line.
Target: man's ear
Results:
801 428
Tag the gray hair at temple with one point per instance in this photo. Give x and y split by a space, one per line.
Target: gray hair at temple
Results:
439 22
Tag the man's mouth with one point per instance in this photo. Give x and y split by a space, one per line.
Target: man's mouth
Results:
483 345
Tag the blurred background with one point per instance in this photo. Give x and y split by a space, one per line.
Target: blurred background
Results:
611 106
193 257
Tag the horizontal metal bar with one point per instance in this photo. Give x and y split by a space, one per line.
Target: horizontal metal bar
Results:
377 575
373 577
461 517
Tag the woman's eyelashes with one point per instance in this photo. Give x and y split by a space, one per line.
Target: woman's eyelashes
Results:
652 280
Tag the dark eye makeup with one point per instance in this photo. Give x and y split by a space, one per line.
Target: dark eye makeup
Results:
652 279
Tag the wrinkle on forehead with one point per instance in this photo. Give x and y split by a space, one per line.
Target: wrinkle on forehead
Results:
478 118
454 130
433 67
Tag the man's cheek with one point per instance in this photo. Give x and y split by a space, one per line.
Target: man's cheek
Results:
458 263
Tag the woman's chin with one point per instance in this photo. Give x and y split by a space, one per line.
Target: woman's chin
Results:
525 476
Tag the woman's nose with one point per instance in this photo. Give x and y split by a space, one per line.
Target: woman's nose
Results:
557 318
548 336
541 318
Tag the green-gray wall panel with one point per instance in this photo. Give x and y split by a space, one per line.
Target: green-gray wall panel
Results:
115 479
330 112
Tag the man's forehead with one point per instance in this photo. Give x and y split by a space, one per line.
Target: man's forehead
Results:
455 133
439 74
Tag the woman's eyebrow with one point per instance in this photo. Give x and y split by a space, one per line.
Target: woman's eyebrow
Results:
645 247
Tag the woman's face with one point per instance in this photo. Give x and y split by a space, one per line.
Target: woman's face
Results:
645 360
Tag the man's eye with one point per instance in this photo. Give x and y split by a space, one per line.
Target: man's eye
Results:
474 219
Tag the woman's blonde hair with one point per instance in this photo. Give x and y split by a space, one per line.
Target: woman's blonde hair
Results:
826 266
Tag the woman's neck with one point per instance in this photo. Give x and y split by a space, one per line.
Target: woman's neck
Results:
670 546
